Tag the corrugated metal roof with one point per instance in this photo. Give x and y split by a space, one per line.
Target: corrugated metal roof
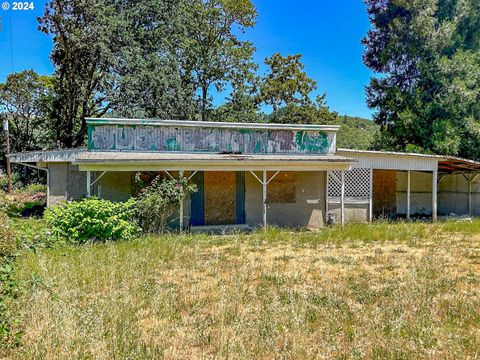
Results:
64 155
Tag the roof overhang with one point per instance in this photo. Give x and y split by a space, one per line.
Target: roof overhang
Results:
454 165
138 161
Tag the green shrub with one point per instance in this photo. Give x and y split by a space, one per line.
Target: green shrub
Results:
93 219
158 202
34 189
7 238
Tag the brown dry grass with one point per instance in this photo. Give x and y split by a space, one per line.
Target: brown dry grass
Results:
381 291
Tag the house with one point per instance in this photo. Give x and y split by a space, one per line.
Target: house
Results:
257 174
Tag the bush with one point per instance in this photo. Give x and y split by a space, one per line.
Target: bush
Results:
7 238
93 219
158 202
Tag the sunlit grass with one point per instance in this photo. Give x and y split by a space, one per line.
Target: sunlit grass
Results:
403 290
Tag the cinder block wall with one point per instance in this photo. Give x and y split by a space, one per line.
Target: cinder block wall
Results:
307 211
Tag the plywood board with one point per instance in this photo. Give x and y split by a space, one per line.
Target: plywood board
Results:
282 189
384 193
220 198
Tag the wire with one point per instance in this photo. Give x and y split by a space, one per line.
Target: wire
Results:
11 42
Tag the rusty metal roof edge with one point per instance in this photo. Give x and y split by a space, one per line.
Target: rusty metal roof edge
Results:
397 153
182 156
210 124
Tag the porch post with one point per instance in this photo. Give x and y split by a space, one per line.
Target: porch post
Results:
264 197
48 187
408 193
470 207
89 182
434 194
342 199
326 195
370 198
181 205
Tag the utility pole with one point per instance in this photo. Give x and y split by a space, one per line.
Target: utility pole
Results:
7 137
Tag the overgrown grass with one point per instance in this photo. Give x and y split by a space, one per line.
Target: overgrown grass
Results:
365 291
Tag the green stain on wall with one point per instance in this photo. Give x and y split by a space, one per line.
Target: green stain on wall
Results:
312 143
173 145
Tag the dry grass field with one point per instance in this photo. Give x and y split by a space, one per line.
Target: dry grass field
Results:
385 291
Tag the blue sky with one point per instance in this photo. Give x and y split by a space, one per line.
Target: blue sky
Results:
327 33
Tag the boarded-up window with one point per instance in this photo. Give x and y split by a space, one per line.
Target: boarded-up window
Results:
282 189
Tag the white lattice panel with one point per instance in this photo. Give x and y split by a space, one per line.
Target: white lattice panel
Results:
357 183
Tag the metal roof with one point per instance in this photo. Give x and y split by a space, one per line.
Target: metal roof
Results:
446 164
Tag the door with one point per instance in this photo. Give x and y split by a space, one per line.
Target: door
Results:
220 199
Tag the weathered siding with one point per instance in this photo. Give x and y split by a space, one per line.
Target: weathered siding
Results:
245 141
387 161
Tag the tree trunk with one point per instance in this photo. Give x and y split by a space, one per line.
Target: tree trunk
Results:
204 102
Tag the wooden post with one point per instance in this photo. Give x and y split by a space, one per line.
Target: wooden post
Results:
370 198
181 205
470 207
342 199
326 195
408 193
89 182
264 197
48 187
434 194
7 153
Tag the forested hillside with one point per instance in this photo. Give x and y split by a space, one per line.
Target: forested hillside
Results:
355 132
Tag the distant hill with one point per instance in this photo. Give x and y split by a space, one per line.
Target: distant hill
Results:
355 133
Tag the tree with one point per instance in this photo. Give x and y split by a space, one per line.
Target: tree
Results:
153 77
428 52
286 83
25 98
87 36
214 53
309 113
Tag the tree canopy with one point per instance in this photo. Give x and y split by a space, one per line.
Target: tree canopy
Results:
427 53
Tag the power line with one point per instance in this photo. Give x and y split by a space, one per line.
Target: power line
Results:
11 41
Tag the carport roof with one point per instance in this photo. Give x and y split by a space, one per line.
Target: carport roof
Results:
453 165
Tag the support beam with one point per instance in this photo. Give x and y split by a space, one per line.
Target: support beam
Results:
264 197
370 202
409 182
89 183
434 194
342 199
98 178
